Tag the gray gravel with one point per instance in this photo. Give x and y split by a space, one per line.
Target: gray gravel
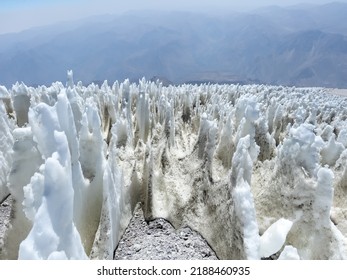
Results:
5 210
158 240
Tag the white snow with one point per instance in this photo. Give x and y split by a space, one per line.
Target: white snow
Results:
54 234
289 253
243 198
274 237
229 161
6 143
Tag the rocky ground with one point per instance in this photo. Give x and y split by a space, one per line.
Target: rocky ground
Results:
159 240
5 210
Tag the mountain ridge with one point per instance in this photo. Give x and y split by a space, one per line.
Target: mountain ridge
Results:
287 46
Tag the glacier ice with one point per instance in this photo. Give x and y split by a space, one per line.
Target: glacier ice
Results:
274 237
258 170
289 253
6 142
242 197
26 160
54 234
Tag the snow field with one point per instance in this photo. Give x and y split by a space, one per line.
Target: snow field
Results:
257 170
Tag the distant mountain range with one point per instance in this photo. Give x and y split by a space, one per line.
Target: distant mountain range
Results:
301 45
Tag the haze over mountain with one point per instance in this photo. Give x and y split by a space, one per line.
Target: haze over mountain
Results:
302 45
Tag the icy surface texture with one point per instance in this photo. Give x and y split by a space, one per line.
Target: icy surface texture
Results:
243 200
289 253
53 235
274 237
259 171
6 143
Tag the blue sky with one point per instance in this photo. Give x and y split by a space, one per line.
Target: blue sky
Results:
17 15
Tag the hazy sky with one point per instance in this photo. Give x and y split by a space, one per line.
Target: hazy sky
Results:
16 15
